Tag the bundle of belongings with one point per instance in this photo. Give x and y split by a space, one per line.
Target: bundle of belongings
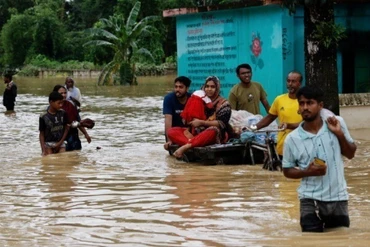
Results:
241 121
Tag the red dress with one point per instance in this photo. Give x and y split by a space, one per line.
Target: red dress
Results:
194 108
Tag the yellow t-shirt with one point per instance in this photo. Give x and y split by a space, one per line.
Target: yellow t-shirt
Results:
286 109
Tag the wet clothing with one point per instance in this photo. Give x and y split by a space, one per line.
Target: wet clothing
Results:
75 93
9 96
172 106
323 199
73 139
53 125
286 110
300 149
246 98
318 215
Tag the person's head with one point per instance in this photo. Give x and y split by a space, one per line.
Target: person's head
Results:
55 101
69 82
310 100
293 82
244 73
8 78
61 89
182 84
212 87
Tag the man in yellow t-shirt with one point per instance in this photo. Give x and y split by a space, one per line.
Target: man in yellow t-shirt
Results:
285 107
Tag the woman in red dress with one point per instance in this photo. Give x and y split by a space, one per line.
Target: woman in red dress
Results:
212 130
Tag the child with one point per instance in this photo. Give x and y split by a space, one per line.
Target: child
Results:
53 126
10 93
196 108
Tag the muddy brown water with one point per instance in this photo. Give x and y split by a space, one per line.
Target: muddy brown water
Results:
131 193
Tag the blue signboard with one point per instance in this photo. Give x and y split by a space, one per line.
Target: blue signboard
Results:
208 45
215 43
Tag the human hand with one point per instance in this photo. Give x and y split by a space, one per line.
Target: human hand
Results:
283 126
196 123
316 170
167 145
88 138
334 125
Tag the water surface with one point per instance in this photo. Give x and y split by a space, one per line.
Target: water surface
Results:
131 193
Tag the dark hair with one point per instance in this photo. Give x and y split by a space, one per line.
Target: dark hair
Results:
54 96
184 80
297 72
10 77
57 87
310 92
243 65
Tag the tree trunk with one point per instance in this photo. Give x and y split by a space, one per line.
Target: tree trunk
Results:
321 62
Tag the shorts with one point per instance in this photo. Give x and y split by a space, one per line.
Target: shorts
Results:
52 145
318 215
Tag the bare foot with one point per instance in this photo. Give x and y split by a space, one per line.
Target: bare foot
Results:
180 151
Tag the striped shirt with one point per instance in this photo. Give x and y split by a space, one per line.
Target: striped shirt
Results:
301 147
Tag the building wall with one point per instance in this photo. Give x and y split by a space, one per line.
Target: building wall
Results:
214 43
272 42
353 57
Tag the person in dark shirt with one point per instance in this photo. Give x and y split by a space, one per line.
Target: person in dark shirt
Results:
73 140
53 126
173 105
10 93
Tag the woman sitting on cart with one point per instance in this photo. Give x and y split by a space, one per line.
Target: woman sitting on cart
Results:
214 129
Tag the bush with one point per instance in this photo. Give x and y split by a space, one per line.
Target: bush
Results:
41 62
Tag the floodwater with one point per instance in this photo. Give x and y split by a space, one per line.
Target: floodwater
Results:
130 192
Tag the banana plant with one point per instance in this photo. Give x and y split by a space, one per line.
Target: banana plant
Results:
122 35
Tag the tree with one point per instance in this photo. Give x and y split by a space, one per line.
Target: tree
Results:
16 38
321 40
122 36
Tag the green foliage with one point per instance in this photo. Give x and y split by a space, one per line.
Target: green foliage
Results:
41 62
291 5
48 32
122 36
329 34
17 38
150 70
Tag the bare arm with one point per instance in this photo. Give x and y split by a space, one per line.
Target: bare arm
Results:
167 123
197 123
266 104
312 170
42 141
347 148
83 130
292 126
267 120
66 129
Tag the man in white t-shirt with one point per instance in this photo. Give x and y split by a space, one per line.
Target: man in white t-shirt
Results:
73 93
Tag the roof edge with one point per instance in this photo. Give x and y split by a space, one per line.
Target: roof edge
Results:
243 4
184 11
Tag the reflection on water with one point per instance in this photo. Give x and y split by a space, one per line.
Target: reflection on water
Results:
131 193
